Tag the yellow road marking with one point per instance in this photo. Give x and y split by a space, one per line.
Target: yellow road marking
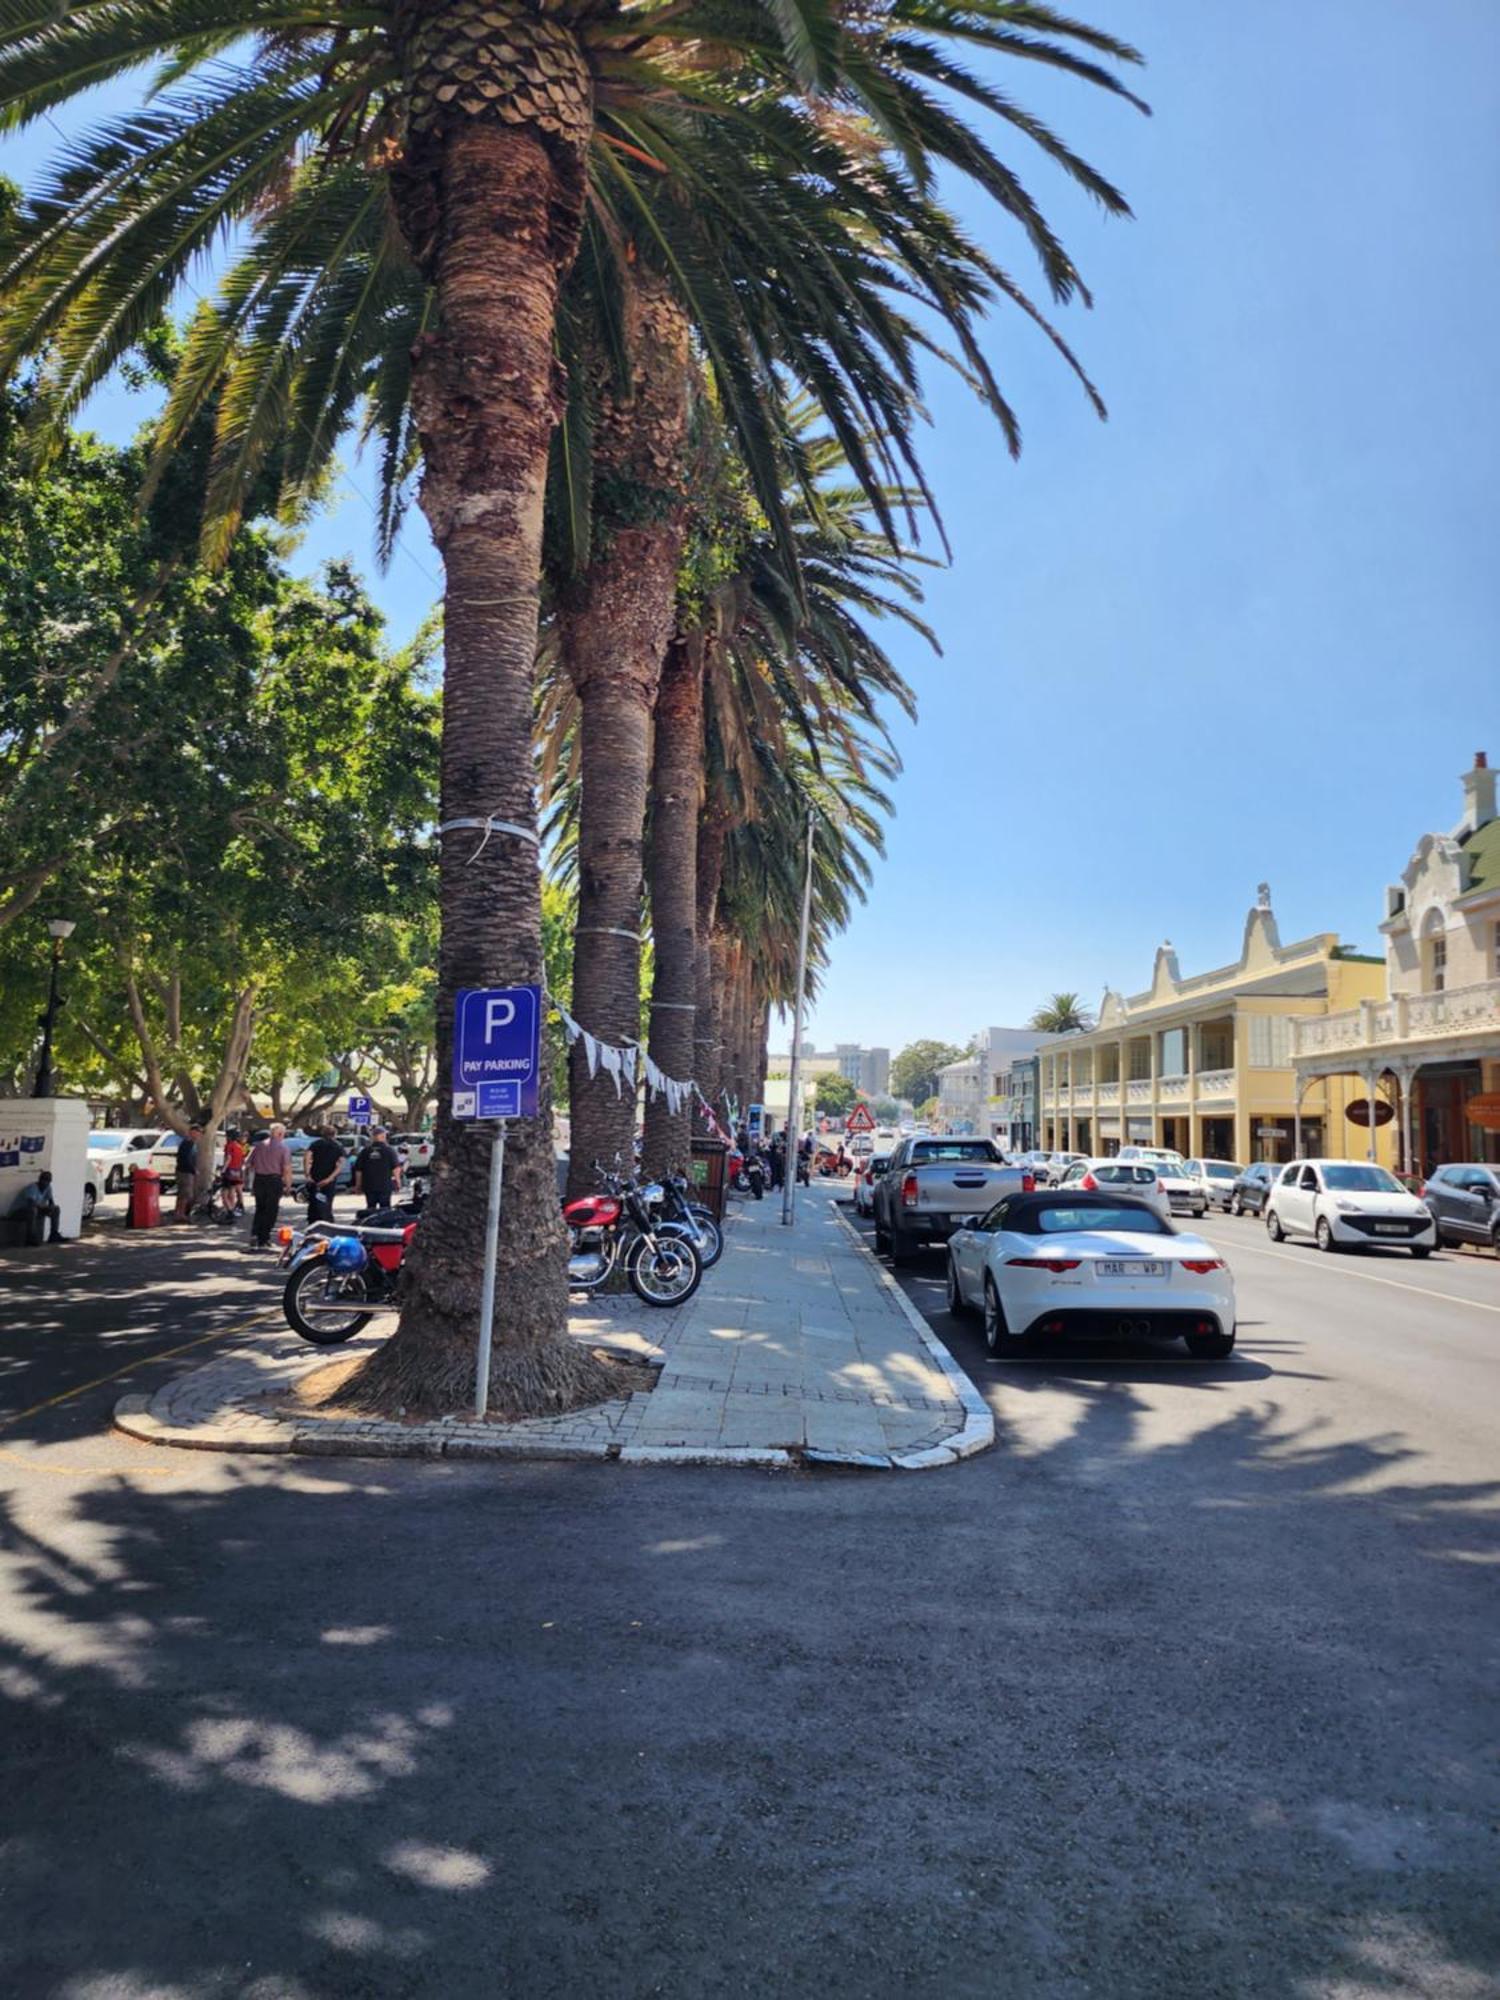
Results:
141 1361
131 1471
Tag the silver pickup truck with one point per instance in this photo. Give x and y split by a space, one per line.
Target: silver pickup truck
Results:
932 1185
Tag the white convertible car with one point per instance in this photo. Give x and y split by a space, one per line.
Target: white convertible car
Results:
1065 1262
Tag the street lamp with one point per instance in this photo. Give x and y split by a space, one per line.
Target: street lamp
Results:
59 928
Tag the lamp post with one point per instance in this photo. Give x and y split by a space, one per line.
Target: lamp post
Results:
60 928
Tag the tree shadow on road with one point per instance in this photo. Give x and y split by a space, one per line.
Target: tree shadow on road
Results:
1124 1714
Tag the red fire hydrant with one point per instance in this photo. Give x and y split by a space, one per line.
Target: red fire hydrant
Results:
145 1199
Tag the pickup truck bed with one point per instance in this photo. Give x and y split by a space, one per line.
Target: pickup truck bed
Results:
932 1185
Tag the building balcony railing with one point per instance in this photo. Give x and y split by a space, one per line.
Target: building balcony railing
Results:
1138 1090
1213 1083
1173 1089
1463 1010
1107 1093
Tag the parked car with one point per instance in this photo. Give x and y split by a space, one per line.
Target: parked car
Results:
1160 1155
864 1183
1348 1203
1059 1163
1060 1261
1136 1178
116 1150
1185 1194
931 1185
1216 1178
415 1149
1251 1188
162 1158
1465 1203
95 1184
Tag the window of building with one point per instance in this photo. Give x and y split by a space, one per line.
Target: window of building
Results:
1439 965
1173 1052
1140 1061
1270 1041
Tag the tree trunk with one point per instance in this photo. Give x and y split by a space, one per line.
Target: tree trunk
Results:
492 212
708 1053
614 629
676 780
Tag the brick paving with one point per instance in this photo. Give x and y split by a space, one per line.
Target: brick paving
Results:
798 1346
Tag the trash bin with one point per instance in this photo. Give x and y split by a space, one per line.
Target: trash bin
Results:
707 1174
145 1199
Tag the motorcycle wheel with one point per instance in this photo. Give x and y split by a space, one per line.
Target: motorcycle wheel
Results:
666 1275
711 1249
324 1309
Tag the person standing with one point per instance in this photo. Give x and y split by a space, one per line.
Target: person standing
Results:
270 1178
778 1159
232 1194
187 1172
325 1156
377 1171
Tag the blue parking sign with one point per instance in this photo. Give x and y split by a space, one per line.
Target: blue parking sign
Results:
497 1051
359 1110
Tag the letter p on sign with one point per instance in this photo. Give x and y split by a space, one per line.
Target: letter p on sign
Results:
498 1013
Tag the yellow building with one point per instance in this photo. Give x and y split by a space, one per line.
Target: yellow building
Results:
1203 1065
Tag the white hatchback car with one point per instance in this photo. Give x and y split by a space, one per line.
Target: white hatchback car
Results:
1137 1178
1216 1178
1060 1262
1343 1203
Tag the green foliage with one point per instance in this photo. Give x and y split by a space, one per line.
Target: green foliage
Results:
835 1096
1062 1014
914 1071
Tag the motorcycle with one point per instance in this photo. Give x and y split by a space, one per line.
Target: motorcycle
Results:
341 1275
617 1230
755 1175
692 1219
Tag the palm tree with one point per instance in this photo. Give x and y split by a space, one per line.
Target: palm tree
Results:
414 178
1062 1014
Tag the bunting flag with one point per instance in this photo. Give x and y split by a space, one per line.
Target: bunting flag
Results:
626 1064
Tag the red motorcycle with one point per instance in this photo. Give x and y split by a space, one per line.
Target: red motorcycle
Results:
342 1274
617 1229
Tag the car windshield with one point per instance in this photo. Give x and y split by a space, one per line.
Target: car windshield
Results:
1128 1176
937 1151
1361 1180
106 1142
1219 1170
1135 1221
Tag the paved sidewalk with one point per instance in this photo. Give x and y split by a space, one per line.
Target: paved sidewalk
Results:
799 1347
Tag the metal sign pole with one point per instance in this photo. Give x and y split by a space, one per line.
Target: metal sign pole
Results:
793 1121
491 1260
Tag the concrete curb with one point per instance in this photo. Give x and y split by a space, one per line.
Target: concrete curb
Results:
978 1432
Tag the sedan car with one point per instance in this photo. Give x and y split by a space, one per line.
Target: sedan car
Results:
1344 1204
1186 1195
1216 1178
1465 1203
1250 1189
1129 1177
1096 1263
864 1183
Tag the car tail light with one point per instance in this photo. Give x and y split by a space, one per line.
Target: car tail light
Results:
909 1191
1028 1182
1089 1184
1202 1265
1046 1263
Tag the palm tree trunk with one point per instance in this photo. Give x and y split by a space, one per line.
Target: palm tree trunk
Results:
485 397
707 1043
614 631
676 779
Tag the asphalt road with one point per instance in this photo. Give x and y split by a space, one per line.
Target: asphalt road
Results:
1188 1688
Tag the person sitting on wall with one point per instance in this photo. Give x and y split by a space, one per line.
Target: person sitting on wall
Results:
38 1205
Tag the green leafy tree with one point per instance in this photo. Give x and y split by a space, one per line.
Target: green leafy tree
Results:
914 1072
1062 1014
415 182
835 1096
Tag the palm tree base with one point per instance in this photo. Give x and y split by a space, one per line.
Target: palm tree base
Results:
429 1376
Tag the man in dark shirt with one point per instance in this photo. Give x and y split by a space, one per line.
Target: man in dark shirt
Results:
377 1171
187 1172
325 1156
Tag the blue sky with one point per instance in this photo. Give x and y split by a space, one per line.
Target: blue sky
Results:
1248 628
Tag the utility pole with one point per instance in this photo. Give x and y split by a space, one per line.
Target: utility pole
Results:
793 1121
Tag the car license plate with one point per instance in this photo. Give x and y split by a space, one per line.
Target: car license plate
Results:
1390 1229
1132 1267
